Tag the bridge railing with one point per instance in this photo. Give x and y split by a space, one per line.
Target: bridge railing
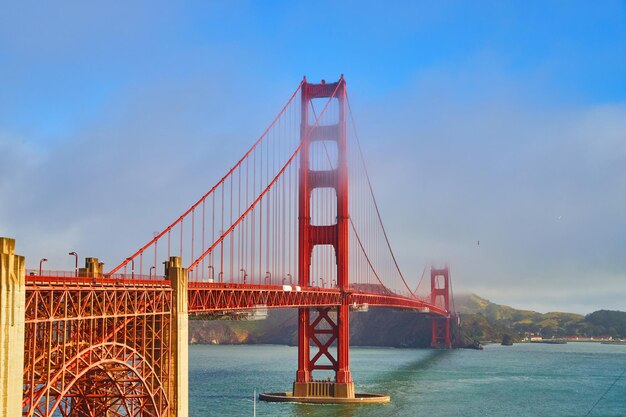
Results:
74 274
51 277
50 273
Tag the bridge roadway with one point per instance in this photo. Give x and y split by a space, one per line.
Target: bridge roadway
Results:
207 297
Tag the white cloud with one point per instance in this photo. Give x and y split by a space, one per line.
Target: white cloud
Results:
540 186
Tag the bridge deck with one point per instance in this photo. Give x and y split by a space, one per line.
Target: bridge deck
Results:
208 297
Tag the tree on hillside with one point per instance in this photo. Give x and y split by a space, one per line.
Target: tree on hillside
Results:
607 323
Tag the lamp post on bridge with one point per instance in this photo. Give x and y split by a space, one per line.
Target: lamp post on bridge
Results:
41 264
75 255
212 274
268 277
152 268
245 274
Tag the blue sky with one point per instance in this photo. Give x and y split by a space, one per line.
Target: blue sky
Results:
506 111
65 61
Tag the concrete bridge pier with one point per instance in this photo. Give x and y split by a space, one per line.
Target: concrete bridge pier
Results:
12 318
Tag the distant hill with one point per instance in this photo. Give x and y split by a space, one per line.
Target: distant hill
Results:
485 320
480 320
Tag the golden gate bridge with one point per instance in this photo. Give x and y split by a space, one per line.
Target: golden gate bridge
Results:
293 224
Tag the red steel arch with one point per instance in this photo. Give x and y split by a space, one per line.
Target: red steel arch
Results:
140 376
45 408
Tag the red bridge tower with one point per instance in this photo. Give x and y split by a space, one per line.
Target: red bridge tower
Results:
313 323
440 296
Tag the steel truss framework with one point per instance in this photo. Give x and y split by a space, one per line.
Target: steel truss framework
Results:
98 348
323 332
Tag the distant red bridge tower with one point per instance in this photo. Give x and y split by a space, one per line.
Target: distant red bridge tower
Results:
440 295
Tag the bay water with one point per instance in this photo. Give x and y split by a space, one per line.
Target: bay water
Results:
574 379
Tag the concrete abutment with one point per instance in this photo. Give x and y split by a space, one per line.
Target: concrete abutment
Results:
179 379
12 320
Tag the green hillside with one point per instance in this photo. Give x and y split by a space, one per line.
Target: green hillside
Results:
489 321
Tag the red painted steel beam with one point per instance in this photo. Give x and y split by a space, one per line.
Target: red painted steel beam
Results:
206 297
